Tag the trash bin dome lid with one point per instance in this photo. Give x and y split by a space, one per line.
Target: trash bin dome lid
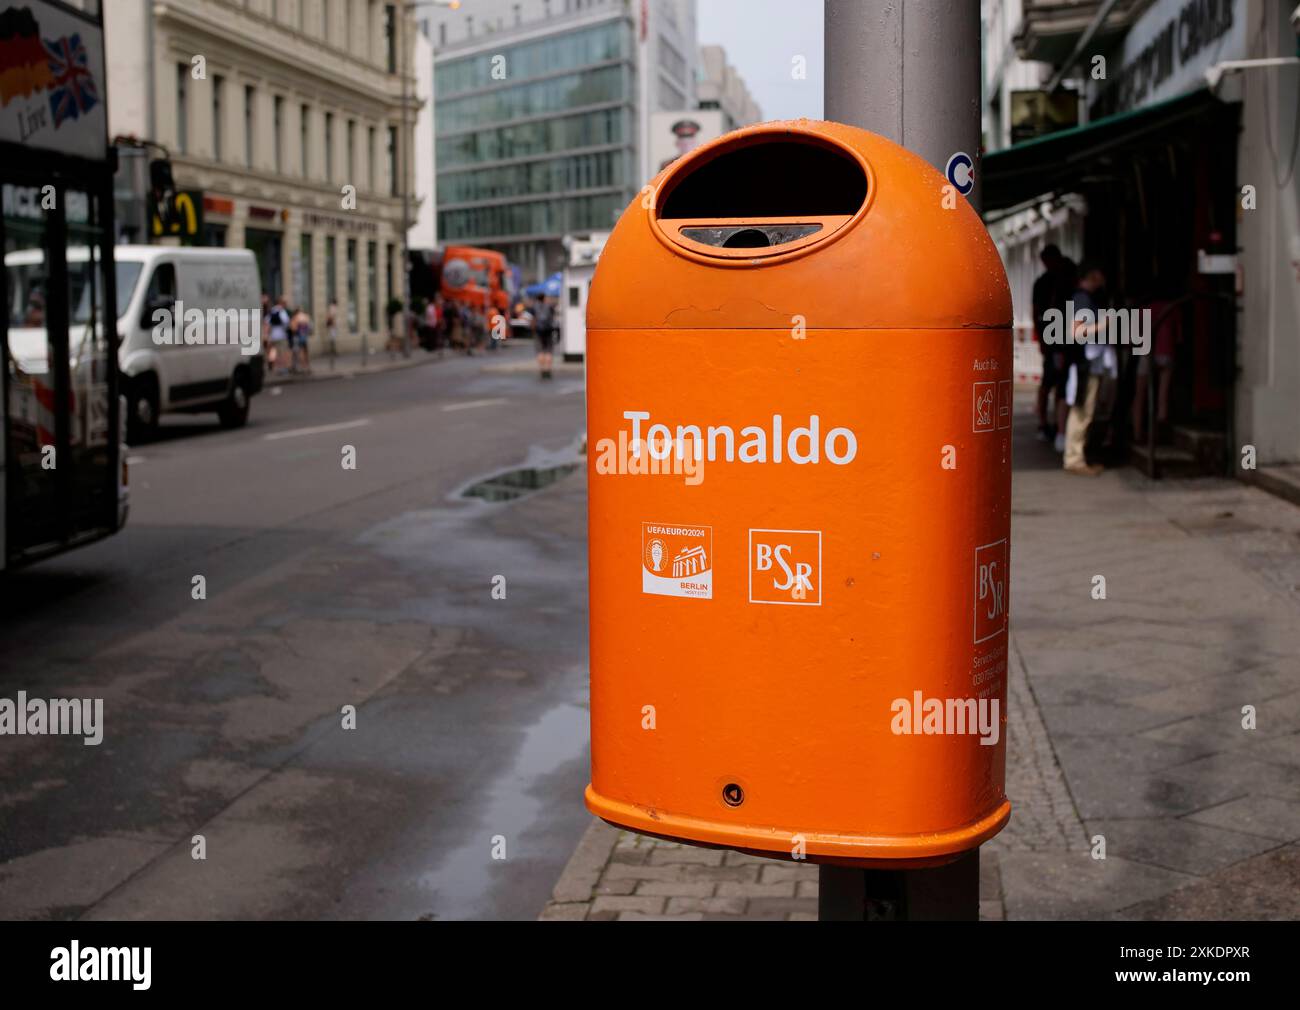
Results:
801 218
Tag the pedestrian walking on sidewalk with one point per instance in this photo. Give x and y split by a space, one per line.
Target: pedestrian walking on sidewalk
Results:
428 327
1090 372
299 337
524 320
278 323
1044 300
1067 280
544 319
332 329
1051 290
399 324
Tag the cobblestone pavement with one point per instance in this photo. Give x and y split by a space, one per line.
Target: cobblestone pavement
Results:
622 875
1126 730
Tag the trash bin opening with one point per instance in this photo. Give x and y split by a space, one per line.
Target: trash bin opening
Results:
749 236
760 196
776 174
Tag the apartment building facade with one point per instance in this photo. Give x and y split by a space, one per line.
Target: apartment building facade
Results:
285 123
721 87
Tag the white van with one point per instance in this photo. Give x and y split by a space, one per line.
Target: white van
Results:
207 365
216 372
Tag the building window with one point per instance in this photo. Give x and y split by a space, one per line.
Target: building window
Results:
277 122
331 272
182 111
669 96
304 138
390 35
442 34
352 140
389 255
218 85
371 181
372 285
352 285
329 147
250 98
671 60
325 19
392 162
305 265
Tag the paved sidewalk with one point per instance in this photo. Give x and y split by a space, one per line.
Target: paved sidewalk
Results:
1125 722
529 364
352 364
346 366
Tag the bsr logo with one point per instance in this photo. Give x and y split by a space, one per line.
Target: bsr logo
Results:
797 581
785 567
992 588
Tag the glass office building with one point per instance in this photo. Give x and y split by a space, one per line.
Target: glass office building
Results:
536 123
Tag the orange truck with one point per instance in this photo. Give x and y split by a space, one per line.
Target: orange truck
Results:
477 278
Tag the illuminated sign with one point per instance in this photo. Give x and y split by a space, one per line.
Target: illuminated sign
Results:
185 218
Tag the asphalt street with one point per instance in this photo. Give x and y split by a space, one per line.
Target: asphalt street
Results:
458 793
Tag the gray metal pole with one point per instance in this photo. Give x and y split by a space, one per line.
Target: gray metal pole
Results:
910 72
948 893
400 14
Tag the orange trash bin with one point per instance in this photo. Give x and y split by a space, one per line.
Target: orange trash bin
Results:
799 449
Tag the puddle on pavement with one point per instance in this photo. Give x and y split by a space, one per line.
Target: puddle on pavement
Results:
511 484
460 887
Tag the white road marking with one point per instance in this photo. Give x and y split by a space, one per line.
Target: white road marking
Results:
295 432
473 403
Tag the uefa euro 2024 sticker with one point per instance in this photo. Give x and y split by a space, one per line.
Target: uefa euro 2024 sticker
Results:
677 560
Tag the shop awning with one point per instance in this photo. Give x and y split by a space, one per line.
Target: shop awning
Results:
1056 163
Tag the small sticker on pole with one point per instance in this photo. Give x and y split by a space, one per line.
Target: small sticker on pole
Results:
961 172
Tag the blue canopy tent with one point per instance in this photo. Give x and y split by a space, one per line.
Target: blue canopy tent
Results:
551 287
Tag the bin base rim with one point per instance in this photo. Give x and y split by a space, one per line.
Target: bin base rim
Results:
928 848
